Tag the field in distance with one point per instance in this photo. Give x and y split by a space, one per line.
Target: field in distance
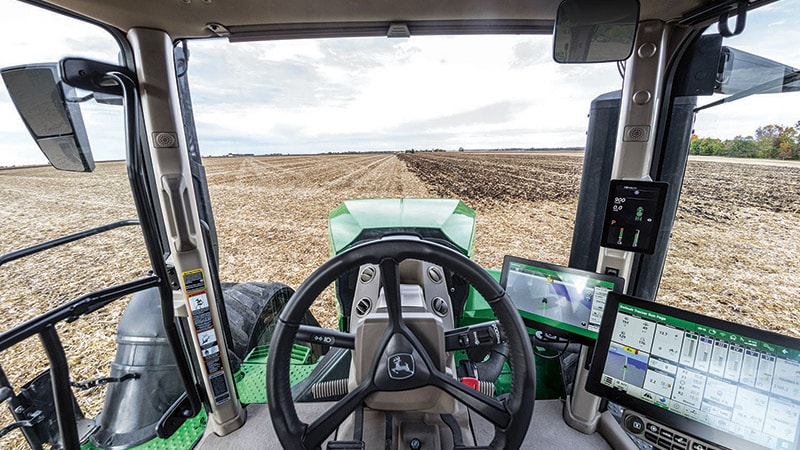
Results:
734 252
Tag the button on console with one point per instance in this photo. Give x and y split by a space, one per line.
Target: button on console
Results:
635 424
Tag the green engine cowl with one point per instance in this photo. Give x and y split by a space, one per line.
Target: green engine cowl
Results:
444 220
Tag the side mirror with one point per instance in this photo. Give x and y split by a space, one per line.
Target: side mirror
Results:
51 113
588 31
741 71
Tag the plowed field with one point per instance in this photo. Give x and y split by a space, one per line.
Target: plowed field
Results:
734 253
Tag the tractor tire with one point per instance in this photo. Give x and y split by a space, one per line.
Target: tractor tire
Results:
252 310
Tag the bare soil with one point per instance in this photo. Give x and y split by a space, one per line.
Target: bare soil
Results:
734 251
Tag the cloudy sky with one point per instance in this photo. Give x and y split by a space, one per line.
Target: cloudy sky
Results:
378 94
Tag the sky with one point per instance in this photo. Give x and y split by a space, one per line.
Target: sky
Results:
378 94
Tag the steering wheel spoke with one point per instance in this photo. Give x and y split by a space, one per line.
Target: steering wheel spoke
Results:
390 275
319 430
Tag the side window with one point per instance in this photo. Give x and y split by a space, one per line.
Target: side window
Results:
738 218
38 36
39 203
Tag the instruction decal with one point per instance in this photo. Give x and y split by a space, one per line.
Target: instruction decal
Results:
193 280
213 365
200 313
207 339
220 388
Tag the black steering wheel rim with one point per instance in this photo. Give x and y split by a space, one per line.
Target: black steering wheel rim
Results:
389 252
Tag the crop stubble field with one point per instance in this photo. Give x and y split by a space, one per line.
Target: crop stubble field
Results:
734 251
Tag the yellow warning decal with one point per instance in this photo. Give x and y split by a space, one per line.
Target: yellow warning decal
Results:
193 280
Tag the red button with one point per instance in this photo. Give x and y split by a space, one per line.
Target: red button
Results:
470 382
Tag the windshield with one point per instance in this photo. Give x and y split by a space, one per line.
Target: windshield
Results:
379 94
490 120
447 105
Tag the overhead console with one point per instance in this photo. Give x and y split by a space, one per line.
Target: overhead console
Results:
561 301
693 382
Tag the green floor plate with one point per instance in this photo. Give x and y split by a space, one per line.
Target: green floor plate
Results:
251 380
185 437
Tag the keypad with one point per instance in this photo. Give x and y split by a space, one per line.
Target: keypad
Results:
660 436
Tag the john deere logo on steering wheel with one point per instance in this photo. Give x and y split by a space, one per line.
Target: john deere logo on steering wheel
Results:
401 366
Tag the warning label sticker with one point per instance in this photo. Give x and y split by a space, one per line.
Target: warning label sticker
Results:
198 302
201 313
207 339
213 365
194 281
210 352
220 388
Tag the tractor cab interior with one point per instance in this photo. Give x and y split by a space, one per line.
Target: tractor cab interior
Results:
426 347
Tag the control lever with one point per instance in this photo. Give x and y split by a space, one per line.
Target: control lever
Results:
478 340
481 336
551 342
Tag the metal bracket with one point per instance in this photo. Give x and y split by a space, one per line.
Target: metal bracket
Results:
218 29
92 75
35 418
84 385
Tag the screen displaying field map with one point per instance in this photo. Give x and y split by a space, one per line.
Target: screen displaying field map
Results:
568 302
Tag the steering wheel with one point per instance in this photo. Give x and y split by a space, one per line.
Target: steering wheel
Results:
510 416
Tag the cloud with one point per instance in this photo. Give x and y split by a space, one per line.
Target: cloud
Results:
495 113
335 95
376 93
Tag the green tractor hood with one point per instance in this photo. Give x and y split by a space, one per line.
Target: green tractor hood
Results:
438 219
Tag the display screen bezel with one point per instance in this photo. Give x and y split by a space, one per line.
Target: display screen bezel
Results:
560 329
658 413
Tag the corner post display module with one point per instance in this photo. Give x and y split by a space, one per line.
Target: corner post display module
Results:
633 215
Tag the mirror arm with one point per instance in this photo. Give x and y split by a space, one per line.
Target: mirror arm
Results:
80 99
93 76
741 19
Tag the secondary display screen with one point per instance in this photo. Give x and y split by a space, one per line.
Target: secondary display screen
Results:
633 215
726 383
562 301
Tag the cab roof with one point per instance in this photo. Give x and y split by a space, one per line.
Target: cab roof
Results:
276 19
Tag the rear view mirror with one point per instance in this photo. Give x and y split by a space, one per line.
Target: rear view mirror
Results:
589 31
51 113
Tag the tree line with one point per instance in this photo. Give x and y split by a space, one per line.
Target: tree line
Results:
770 141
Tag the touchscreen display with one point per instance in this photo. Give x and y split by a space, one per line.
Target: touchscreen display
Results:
562 301
733 385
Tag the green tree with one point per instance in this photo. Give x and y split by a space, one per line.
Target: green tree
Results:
741 147
707 147
778 141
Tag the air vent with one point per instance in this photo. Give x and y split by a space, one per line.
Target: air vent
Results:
435 274
440 306
367 274
363 306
